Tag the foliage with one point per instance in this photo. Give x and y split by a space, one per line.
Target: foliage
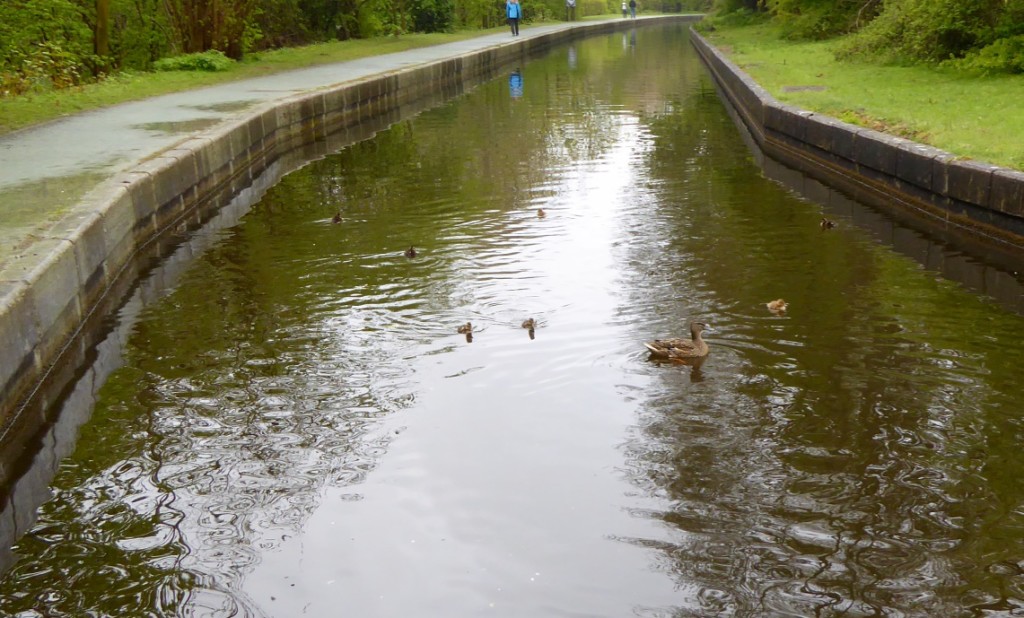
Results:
213 60
200 25
140 33
1003 56
820 19
725 7
936 30
433 15
677 6
43 44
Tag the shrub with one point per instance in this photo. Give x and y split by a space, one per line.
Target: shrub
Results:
433 15
1002 56
924 30
817 19
212 60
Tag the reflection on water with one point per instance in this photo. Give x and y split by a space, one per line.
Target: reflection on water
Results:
298 427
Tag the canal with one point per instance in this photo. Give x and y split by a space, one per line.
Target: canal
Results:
291 425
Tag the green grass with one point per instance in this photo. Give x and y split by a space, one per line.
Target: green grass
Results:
22 111
972 116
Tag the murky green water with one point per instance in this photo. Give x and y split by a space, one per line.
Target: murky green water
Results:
298 430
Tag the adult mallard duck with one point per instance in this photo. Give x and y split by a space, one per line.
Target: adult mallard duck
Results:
681 349
777 306
466 329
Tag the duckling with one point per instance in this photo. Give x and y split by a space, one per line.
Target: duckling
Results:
777 306
827 224
466 329
410 252
681 349
529 324
336 218
541 213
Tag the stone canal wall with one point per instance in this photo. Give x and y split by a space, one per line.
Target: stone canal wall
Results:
983 199
68 276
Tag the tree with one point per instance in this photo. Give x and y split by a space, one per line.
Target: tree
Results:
200 25
101 32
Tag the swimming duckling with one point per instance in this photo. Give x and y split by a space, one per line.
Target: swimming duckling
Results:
681 349
410 252
466 329
529 324
541 213
336 218
777 306
827 224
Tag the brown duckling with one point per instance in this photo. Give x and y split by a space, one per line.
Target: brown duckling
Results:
541 213
336 218
681 349
827 224
777 306
410 252
529 324
466 329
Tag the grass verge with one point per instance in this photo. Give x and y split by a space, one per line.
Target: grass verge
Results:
973 116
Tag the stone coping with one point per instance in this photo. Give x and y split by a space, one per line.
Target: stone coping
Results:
978 198
48 293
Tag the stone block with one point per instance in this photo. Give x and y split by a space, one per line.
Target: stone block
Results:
19 332
1008 192
787 120
198 147
269 119
914 164
289 114
83 228
237 136
877 151
819 131
969 181
334 101
50 271
843 138
121 232
139 186
940 173
185 172
161 170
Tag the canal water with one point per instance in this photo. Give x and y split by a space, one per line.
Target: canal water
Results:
293 426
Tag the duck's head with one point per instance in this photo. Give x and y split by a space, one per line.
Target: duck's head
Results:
696 328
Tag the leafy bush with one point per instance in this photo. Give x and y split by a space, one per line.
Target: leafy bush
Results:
1002 56
723 7
924 30
212 60
819 19
433 15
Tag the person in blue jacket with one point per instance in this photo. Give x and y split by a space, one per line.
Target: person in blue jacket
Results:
514 11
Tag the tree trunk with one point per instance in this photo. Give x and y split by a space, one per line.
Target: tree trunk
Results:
101 35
